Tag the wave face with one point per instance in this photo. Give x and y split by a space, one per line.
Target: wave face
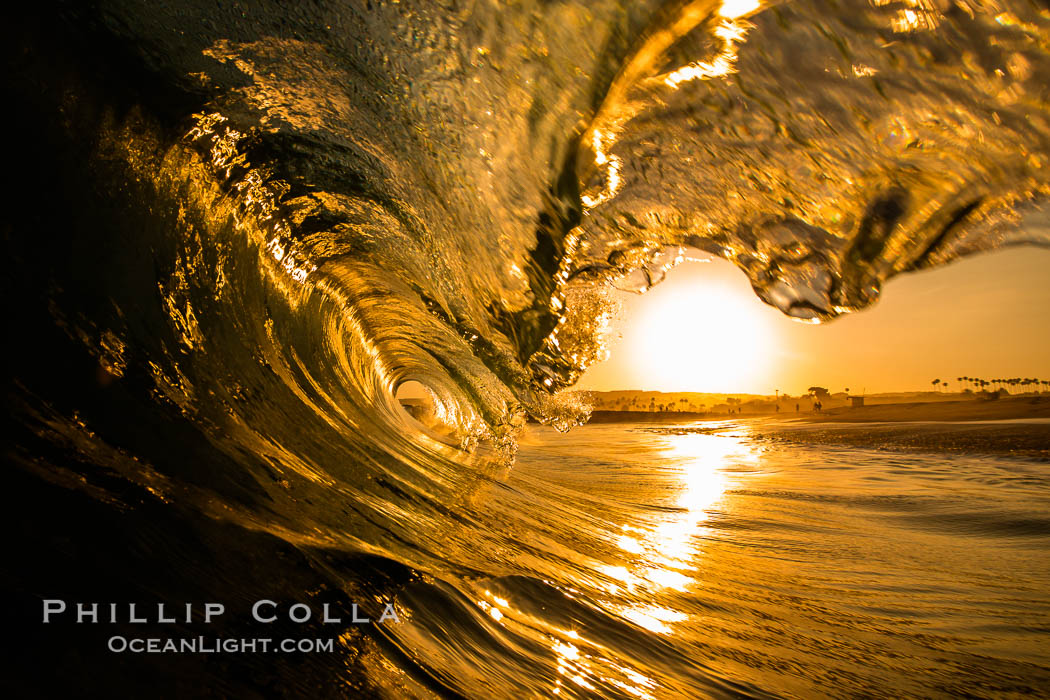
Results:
239 232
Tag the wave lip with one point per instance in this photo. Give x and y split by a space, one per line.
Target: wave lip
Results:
839 147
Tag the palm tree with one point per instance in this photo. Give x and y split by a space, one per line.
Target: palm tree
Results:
935 382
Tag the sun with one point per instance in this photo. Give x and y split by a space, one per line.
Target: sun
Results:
698 332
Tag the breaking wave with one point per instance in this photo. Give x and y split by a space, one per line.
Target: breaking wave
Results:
258 225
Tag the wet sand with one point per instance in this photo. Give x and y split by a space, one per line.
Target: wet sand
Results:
1020 440
1010 408
946 426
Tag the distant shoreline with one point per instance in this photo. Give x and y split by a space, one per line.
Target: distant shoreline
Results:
952 427
650 416
1016 407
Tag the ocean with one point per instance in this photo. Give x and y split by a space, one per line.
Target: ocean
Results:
724 562
707 559
233 231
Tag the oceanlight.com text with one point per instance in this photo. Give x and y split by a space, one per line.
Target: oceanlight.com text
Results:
217 645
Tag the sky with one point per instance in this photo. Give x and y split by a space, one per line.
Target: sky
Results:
703 329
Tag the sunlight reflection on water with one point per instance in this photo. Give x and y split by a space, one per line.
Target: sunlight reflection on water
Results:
665 554
662 555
